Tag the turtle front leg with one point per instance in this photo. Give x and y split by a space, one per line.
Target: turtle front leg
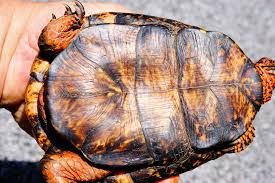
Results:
66 166
38 72
55 37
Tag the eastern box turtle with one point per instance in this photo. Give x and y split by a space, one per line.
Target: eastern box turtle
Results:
120 97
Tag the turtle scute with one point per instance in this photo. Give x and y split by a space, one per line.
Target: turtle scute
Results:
220 86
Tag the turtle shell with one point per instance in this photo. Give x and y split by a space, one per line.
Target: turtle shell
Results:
141 94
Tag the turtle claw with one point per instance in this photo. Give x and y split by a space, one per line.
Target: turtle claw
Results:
53 16
68 10
76 25
79 9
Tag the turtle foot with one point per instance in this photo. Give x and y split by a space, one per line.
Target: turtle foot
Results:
59 32
66 166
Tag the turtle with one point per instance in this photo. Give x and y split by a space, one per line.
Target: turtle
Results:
122 97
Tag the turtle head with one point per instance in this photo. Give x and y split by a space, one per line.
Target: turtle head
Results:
266 70
59 32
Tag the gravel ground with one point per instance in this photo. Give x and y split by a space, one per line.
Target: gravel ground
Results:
250 23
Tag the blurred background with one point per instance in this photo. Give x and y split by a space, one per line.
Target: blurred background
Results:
251 24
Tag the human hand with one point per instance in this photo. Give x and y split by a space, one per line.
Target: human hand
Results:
22 23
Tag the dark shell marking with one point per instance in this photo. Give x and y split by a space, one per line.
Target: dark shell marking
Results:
137 90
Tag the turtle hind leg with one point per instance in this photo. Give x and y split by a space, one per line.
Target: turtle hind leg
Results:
65 166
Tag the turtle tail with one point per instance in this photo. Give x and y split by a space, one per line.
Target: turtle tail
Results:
266 69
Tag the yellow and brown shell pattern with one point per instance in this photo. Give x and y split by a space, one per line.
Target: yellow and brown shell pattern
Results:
152 94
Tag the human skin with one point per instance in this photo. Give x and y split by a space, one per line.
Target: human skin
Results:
21 25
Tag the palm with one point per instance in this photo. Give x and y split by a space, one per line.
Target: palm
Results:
19 67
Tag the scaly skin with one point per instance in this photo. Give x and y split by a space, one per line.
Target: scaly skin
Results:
266 69
66 166
58 34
